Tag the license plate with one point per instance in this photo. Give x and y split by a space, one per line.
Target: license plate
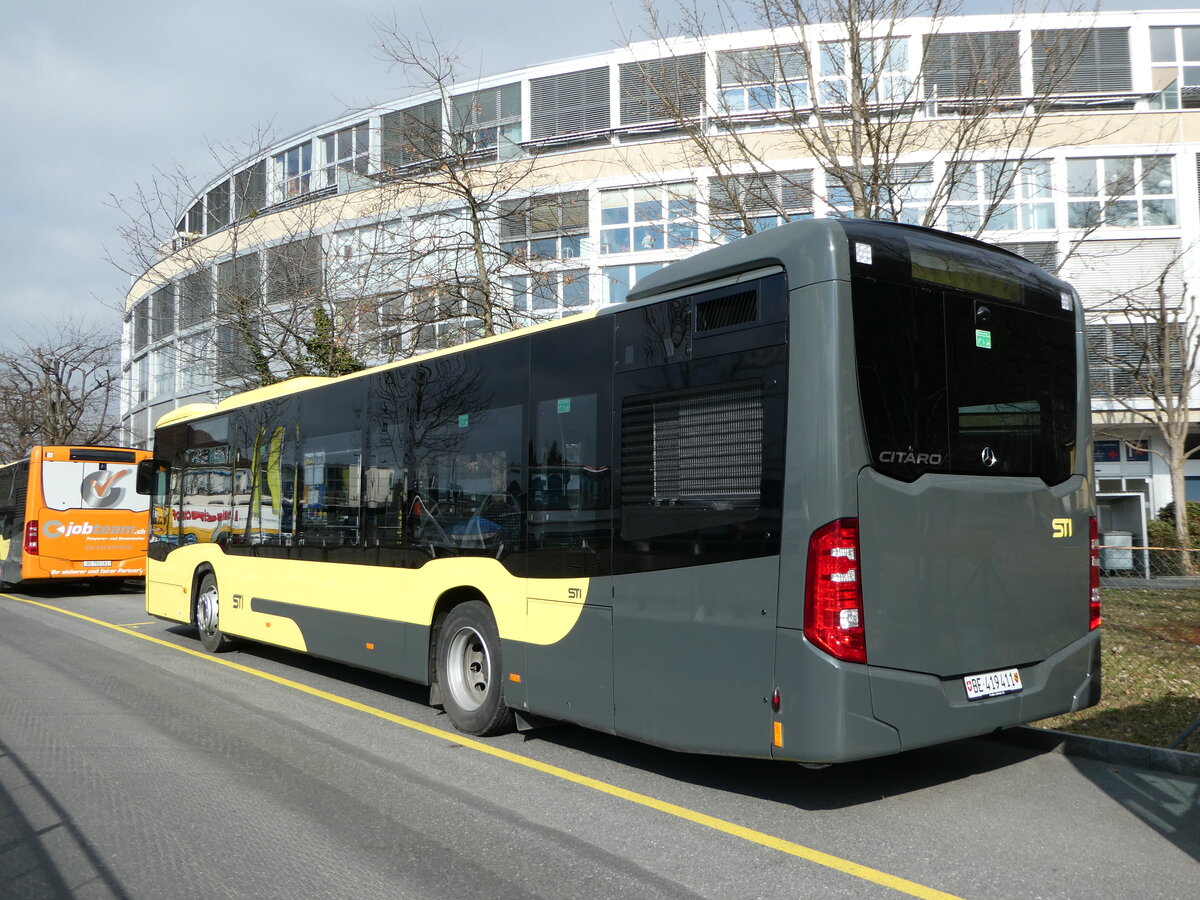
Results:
97 563
992 684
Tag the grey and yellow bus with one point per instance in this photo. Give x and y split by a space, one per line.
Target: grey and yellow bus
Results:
819 494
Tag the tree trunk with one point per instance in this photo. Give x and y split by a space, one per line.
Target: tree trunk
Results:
1179 493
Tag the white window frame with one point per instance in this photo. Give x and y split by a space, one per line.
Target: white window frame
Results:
347 148
762 79
1148 202
292 170
1028 204
649 219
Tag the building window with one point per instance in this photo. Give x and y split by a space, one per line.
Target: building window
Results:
661 217
193 220
195 299
293 172
195 364
234 356
747 204
1175 56
141 324
982 64
551 226
1120 192
250 190
239 285
1191 487
348 149
1040 253
412 135
162 312
163 372
294 270
1126 359
905 191
883 67
572 103
141 380
438 320
1137 451
547 295
1106 451
670 89
619 280
763 80
1081 61
1001 195
1124 274
138 430
487 119
219 207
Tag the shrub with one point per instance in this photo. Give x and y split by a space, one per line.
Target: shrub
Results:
1160 532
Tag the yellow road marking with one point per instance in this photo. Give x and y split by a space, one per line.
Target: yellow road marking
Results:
866 873
133 625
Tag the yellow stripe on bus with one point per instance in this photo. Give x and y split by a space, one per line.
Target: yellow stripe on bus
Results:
866 873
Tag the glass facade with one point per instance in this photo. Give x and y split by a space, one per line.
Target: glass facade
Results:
611 190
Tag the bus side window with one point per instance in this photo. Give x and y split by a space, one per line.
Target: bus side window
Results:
332 493
463 502
329 481
6 510
386 469
570 472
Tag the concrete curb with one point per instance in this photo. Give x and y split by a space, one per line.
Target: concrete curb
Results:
1157 759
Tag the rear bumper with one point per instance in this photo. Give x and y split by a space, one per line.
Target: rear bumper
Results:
837 712
37 568
925 709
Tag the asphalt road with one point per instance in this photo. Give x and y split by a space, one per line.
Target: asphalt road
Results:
132 765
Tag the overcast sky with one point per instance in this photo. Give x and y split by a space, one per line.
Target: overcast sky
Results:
94 97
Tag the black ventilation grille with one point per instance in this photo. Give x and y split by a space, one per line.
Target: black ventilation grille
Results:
696 446
727 311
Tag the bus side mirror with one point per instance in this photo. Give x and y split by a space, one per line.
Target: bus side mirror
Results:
148 473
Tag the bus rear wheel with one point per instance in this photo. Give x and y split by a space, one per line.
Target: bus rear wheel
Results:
469 671
208 615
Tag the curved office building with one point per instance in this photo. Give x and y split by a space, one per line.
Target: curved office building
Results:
549 190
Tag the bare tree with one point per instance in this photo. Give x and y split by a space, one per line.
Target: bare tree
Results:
436 253
834 84
265 313
1145 343
458 152
58 388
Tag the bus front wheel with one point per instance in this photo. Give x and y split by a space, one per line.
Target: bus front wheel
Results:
469 671
208 615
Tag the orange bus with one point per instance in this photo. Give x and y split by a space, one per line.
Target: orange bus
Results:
72 512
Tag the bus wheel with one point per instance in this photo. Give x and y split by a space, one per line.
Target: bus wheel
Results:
469 671
207 612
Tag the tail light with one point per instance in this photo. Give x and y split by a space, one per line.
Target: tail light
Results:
833 612
31 537
1094 601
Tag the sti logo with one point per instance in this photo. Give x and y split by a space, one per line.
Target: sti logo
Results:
100 490
1062 527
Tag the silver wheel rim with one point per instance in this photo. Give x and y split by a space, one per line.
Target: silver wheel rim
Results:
206 610
468 669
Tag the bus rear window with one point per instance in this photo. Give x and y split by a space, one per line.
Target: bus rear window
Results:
956 382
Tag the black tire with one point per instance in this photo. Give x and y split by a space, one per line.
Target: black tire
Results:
208 616
470 672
